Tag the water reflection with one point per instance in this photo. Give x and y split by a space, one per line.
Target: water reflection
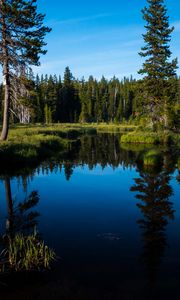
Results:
22 247
21 217
154 191
81 204
103 150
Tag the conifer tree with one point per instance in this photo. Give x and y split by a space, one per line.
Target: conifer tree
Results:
21 42
157 68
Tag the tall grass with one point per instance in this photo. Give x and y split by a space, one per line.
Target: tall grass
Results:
115 128
26 253
143 137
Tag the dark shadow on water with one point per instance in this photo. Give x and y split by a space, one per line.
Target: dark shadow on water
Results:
153 190
21 222
21 217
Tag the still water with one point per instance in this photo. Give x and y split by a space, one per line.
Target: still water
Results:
113 223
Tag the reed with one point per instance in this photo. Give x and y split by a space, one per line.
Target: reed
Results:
26 253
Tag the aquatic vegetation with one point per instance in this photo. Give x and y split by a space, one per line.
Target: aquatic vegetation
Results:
144 138
147 137
25 253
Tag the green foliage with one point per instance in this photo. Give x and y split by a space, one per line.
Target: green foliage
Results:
31 144
159 71
27 31
22 42
115 128
143 135
26 253
140 137
48 114
97 102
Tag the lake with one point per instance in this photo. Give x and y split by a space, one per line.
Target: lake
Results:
113 222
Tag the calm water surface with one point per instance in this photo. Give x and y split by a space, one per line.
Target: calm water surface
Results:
113 223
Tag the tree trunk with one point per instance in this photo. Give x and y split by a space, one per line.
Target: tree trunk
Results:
5 126
6 74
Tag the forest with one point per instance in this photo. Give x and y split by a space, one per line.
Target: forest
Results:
52 99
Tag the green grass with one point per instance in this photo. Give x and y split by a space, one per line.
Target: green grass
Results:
144 138
115 128
30 143
30 148
26 253
80 128
149 137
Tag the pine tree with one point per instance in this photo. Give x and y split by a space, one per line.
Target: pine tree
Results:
21 42
157 68
70 102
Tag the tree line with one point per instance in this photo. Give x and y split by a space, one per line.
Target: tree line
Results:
53 99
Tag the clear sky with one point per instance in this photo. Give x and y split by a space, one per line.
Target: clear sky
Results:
99 36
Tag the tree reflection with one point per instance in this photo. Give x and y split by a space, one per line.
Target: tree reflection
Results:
22 247
20 215
102 149
154 191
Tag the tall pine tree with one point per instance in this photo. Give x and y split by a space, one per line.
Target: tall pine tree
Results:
157 68
21 42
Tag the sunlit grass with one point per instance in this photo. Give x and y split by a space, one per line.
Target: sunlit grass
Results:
25 253
144 138
149 137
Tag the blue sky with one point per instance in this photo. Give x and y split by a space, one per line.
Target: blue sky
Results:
98 37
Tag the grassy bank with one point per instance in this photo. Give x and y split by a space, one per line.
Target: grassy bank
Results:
154 138
27 144
33 143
